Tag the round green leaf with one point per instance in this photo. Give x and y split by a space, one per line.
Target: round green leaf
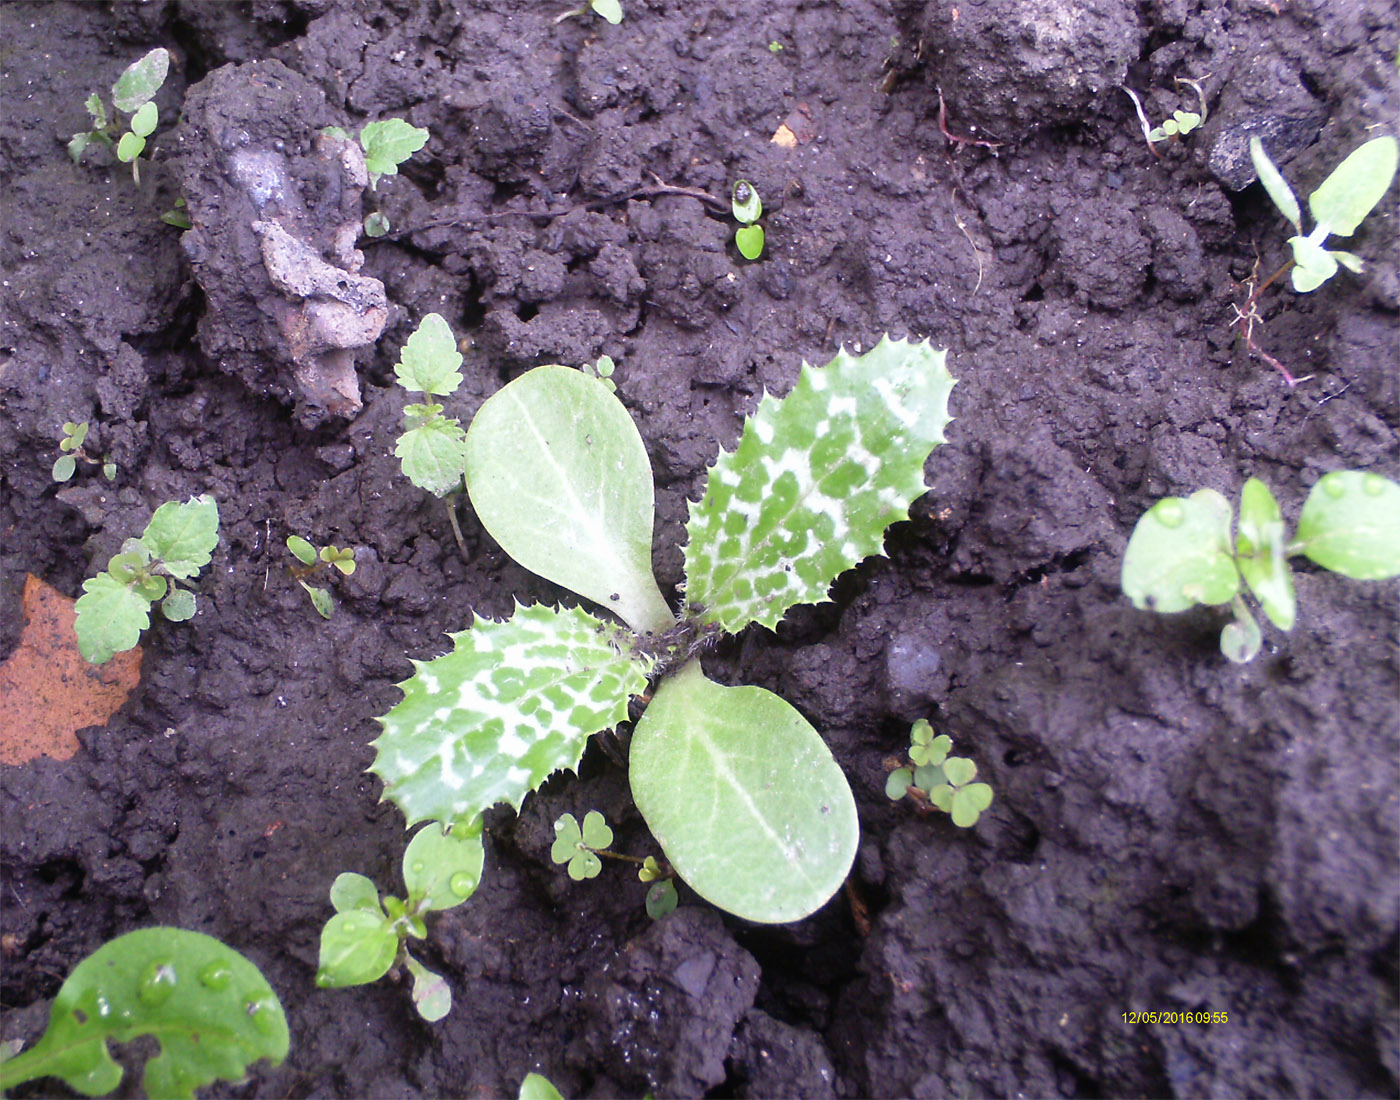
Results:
350 891
1241 639
64 467
596 833
584 864
179 606
898 783
535 1087
749 241
968 804
432 996
376 224
745 203
357 947
941 795
130 147
959 770
744 797
443 869
302 550
661 899
1351 525
1180 554
1315 265
928 776
611 10
143 122
558 475
567 838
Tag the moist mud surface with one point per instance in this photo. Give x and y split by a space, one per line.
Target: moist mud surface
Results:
1170 832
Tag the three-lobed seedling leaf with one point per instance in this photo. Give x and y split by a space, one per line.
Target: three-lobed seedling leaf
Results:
578 846
1338 206
747 208
1181 552
945 782
432 447
132 94
389 143
115 606
211 1010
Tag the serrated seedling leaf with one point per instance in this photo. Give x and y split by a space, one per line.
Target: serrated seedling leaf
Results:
302 550
512 703
210 1009
143 122
432 996
968 803
559 477
433 455
179 606
357 947
611 10
1179 554
1241 639
111 617
389 143
350 891
898 782
64 467
430 361
183 536
1274 183
743 796
97 110
661 899
1350 524
141 80
536 1087
1262 557
1344 198
959 770
130 147
443 869
815 480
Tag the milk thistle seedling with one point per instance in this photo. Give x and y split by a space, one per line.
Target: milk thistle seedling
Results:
579 847
115 606
209 1008
312 560
739 790
131 94
71 445
748 208
938 780
368 936
1181 553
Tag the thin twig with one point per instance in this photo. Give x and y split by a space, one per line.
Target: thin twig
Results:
451 501
958 139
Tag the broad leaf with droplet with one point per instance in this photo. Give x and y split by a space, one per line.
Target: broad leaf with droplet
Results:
1351 525
357 947
744 796
211 1010
814 482
1180 554
512 703
443 869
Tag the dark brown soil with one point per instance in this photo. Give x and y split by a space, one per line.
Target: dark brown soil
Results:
1170 832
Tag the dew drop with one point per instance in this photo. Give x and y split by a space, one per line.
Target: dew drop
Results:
418 866
103 1007
157 983
1334 487
462 884
1373 485
215 976
1170 513
261 1009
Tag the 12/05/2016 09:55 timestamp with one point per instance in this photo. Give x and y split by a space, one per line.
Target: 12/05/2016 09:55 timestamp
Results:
1175 1017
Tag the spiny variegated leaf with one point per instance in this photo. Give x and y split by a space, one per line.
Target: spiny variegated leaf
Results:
816 478
512 703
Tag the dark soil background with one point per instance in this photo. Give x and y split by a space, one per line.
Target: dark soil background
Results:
1170 832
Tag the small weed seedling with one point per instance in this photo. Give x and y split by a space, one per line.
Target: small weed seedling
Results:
748 208
312 561
386 145
938 780
603 371
580 847
736 786
211 1010
71 445
1181 553
611 10
132 95
1175 128
115 606
368 937
432 448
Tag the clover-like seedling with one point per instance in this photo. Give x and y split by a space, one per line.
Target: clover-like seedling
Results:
312 561
1181 552
1340 204
939 780
747 208
388 144
602 370
115 606
579 848
210 1009
1173 129
132 94
742 794
71 446
432 448
368 936
610 10
1178 126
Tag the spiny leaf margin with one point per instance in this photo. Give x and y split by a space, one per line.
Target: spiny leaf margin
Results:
815 480
511 704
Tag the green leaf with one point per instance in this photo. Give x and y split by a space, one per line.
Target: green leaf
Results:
78 144
211 1010
357 947
336 132
1351 525
567 838
749 241
558 475
141 80
536 1087
511 704
143 122
745 203
661 899
321 600
342 558
1349 260
611 10
350 891
1261 554
743 796
1179 554
959 770
98 112
1275 184
928 776
64 467
1351 192
130 147
898 783
941 795
302 550
1314 264
571 844
432 996
443 869
968 804
179 606
111 617
183 536
596 833
433 455
650 870
389 143
430 360
816 479
1241 639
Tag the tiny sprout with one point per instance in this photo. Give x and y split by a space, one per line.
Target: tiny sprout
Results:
72 447
938 780
610 10
178 215
579 848
311 561
650 871
376 224
132 94
748 208
603 371
775 47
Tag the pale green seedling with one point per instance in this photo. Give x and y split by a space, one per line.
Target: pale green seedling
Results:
132 95
432 448
743 796
211 1011
538 1087
312 562
1181 553
71 448
582 849
747 208
388 144
939 780
115 606
368 936
610 10
1338 206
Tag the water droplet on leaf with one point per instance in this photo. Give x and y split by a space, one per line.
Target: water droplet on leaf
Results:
1334 487
1169 513
157 983
1373 485
215 976
462 884
261 1009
